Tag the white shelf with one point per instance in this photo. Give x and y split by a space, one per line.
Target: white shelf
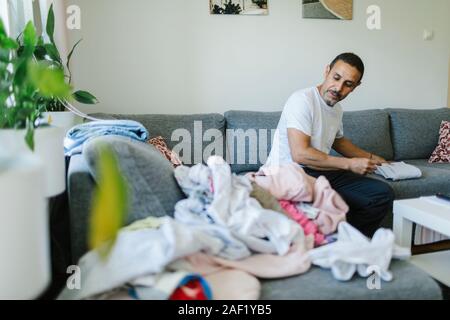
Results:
436 264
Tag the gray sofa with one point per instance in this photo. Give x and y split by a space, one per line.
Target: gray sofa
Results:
396 134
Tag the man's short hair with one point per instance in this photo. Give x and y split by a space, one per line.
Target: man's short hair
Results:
351 59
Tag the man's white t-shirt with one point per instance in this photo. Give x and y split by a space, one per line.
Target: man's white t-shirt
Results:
306 111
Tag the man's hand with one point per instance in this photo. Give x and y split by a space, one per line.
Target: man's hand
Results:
378 159
362 166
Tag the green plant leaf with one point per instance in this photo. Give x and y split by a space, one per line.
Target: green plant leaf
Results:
52 52
2 29
29 136
69 57
40 41
50 82
84 97
110 203
8 43
50 28
29 35
71 52
40 52
20 74
4 55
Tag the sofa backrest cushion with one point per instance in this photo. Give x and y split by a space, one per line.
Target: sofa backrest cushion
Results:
415 133
249 138
188 135
369 130
152 188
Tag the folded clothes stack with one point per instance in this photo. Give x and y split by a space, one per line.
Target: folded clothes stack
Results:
398 171
82 133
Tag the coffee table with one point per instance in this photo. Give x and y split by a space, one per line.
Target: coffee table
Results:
432 215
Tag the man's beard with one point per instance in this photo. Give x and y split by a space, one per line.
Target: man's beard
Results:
337 97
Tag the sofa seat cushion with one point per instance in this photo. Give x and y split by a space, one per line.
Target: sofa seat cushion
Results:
435 178
192 133
369 130
415 133
318 284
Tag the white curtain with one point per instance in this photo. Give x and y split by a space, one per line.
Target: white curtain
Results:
4 15
17 13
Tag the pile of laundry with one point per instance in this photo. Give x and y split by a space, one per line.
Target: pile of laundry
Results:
231 231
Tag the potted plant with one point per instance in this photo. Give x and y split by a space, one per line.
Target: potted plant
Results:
55 109
24 82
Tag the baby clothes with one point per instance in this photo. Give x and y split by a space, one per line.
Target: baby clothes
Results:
332 208
167 284
265 199
268 266
354 252
233 285
225 211
309 227
263 231
225 283
290 182
193 290
307 208
286 182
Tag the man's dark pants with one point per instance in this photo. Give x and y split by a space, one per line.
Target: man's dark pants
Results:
369 200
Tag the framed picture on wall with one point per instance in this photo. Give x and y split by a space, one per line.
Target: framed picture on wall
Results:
328 9
241 7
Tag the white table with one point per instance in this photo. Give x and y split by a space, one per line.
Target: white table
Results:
433 216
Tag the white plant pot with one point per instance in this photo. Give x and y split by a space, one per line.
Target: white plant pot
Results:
24 229
65 119
49 148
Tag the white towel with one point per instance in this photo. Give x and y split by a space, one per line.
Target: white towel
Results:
398 171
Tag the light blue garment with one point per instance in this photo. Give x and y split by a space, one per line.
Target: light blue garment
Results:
79 134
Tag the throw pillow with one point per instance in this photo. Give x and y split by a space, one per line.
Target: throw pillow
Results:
161 145
442 152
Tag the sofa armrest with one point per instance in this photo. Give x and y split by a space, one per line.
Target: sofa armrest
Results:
80 189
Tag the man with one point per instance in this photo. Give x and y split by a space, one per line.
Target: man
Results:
311 125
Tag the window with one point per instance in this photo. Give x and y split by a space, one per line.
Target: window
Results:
16 14
4 13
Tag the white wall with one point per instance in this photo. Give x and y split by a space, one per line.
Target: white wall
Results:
172 56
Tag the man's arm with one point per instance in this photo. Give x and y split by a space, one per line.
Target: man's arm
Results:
303 153
346 148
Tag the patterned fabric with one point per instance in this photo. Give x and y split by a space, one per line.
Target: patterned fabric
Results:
161 145
442 152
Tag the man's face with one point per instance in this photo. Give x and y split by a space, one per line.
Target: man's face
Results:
339 82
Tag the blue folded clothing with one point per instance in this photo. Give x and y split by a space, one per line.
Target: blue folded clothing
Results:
78 135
